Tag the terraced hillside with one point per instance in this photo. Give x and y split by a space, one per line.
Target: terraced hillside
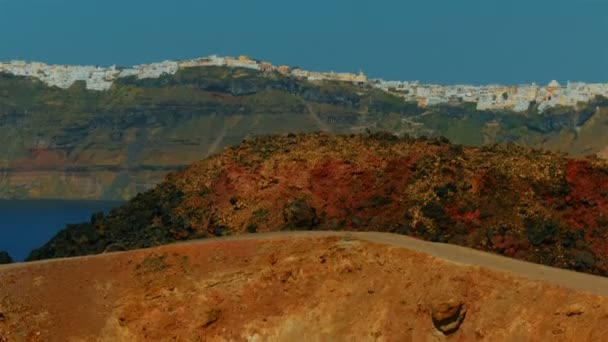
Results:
78 143
528 204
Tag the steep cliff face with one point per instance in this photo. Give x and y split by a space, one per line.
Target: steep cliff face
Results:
80 143
527 204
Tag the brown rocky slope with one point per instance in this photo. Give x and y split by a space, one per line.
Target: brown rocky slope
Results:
293 286
528 204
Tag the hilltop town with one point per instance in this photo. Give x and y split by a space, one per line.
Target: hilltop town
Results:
488 97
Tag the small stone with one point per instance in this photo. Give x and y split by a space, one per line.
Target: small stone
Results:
272 259
122 321
212 316
376 334
574 310
448 315
286 276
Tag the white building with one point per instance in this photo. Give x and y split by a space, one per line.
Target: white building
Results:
487 97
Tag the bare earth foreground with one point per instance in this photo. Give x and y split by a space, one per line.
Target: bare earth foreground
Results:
320 286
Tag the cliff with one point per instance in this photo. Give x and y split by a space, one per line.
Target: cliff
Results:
496 97
528 204
294 286
110 133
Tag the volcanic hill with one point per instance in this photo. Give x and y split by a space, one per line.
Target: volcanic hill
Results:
528 204
313 286
71 132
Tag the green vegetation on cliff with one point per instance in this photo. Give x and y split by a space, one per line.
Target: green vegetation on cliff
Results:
76 143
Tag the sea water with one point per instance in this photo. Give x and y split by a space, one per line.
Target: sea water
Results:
28 224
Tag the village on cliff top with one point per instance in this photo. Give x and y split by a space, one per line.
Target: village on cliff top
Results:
486 97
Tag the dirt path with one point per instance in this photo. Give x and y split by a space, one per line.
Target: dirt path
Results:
450 253
322 125
467 256
230 123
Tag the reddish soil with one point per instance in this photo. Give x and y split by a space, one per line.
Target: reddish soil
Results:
313 287
527 204
41 159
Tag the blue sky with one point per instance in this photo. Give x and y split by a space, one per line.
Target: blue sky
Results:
443 41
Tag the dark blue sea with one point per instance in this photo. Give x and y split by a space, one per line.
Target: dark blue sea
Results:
27 224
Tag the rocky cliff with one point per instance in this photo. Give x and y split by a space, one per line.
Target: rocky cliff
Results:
66 136
528 204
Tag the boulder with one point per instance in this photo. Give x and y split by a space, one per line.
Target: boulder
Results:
299 215
448 315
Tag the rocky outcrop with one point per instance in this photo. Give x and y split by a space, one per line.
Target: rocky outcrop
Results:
299 215
152 220
528 204
311 286
448 315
